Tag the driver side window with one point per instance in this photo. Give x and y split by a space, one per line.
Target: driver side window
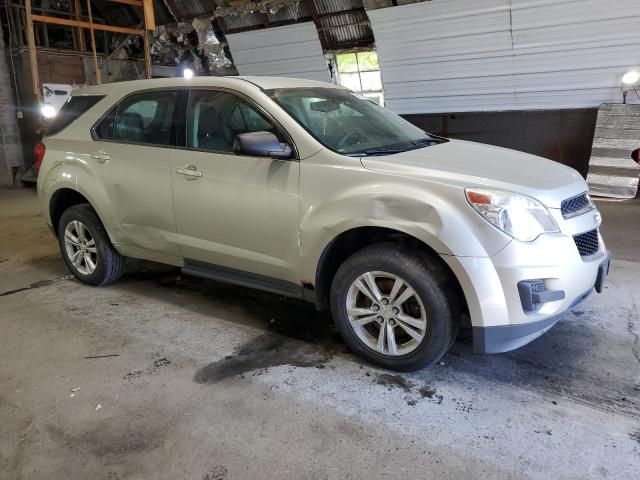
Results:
214 118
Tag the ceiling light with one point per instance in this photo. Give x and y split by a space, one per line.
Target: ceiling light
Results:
48 111
187 73
631 78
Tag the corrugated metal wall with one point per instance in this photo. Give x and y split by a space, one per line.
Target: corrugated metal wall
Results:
492 55
290 51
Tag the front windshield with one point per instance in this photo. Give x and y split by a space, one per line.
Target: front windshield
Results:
348 123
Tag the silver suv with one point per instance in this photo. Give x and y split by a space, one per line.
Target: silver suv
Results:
309 190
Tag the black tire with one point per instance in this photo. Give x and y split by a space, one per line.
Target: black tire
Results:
432 285
109 263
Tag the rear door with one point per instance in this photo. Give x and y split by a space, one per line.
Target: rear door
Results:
132 158
234 210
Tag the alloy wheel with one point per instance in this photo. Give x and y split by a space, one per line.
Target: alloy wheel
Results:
386 313
80 247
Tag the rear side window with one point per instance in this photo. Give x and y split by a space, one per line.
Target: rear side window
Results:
142 118
72 109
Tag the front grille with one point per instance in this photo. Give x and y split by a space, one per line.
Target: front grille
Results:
587 242
574 206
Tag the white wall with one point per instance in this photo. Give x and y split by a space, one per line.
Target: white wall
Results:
491 55
289 51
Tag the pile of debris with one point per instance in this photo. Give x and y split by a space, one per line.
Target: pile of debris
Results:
194 45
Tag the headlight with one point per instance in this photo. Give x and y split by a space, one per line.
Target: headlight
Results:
519 216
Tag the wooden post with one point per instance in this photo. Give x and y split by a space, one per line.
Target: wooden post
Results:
45 36
16 27
79 31
147 57
93 45
33 59
149 24
149 15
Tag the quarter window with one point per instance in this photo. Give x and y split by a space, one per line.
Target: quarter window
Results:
143 118
73 108
215 118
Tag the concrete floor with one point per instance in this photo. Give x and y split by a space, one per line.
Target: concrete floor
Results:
205 381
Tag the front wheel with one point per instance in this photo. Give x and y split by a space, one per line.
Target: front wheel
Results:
86 247
391 306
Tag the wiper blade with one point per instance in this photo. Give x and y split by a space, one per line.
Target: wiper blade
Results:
399 148
378 151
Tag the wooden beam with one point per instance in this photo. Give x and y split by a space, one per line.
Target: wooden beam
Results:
83 24
93 45
33 59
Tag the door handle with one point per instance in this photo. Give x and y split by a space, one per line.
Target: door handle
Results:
190 172
101 157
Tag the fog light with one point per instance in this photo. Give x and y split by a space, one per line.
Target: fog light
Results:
533 295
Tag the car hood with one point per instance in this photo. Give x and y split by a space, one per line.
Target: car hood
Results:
470 164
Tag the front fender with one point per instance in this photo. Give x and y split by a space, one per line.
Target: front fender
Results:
447 227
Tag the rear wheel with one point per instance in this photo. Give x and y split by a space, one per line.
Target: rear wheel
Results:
86 247
390 304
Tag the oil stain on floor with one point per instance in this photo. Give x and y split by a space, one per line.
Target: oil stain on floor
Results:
262 352
409 387
40 284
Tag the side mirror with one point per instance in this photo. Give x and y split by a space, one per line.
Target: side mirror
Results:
261 144
635 155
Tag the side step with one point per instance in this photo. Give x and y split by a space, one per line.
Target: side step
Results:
243 279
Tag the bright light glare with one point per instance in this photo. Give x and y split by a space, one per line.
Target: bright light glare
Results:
48 110
188 73
631 77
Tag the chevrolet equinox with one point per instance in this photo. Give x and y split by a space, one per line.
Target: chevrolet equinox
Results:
308 190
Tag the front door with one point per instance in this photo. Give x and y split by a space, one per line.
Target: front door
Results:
234 211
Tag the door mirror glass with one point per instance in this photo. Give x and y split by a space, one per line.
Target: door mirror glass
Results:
635 155
261 144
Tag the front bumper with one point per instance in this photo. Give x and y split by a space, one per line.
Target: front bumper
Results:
504 338
499 318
